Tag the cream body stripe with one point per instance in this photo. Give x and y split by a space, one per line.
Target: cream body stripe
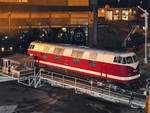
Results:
90 72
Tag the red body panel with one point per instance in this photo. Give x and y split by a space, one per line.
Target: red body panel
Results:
101 67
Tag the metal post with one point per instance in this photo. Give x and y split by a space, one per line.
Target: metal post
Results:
34 72
34 78
76 91
75 82
109 89
63 81
95 26
146 30
29 82
52 78
91 84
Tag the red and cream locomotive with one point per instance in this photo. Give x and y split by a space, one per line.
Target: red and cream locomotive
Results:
118 67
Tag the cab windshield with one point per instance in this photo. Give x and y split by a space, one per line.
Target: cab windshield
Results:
129 60
125 60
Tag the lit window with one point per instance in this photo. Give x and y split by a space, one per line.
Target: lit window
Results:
109 15
134 12
102 11
130 11
116 17
125 14
117 11
91 64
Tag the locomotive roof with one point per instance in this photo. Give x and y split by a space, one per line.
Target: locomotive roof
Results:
79 52
84 48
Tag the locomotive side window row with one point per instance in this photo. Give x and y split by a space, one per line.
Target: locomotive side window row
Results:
125 60
45 55
75 61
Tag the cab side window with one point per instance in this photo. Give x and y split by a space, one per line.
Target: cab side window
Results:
129 60
115 59
124 61
135 58
118 59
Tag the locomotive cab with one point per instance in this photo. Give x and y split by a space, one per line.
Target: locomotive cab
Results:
131 70
128 60
31 46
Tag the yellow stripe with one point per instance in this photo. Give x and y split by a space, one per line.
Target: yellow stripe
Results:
91 72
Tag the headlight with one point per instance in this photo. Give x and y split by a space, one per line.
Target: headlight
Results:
2 49
11 48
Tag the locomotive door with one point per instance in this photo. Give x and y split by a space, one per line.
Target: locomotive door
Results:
104 70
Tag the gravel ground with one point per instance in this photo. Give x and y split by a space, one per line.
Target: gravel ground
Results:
49 99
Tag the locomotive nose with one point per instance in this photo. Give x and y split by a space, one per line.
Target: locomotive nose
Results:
135 65
136 68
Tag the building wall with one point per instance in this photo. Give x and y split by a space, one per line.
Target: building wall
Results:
25 19
51 2
60 2
15 20
16 1
78 2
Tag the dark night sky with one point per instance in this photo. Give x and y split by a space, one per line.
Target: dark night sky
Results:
124 3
